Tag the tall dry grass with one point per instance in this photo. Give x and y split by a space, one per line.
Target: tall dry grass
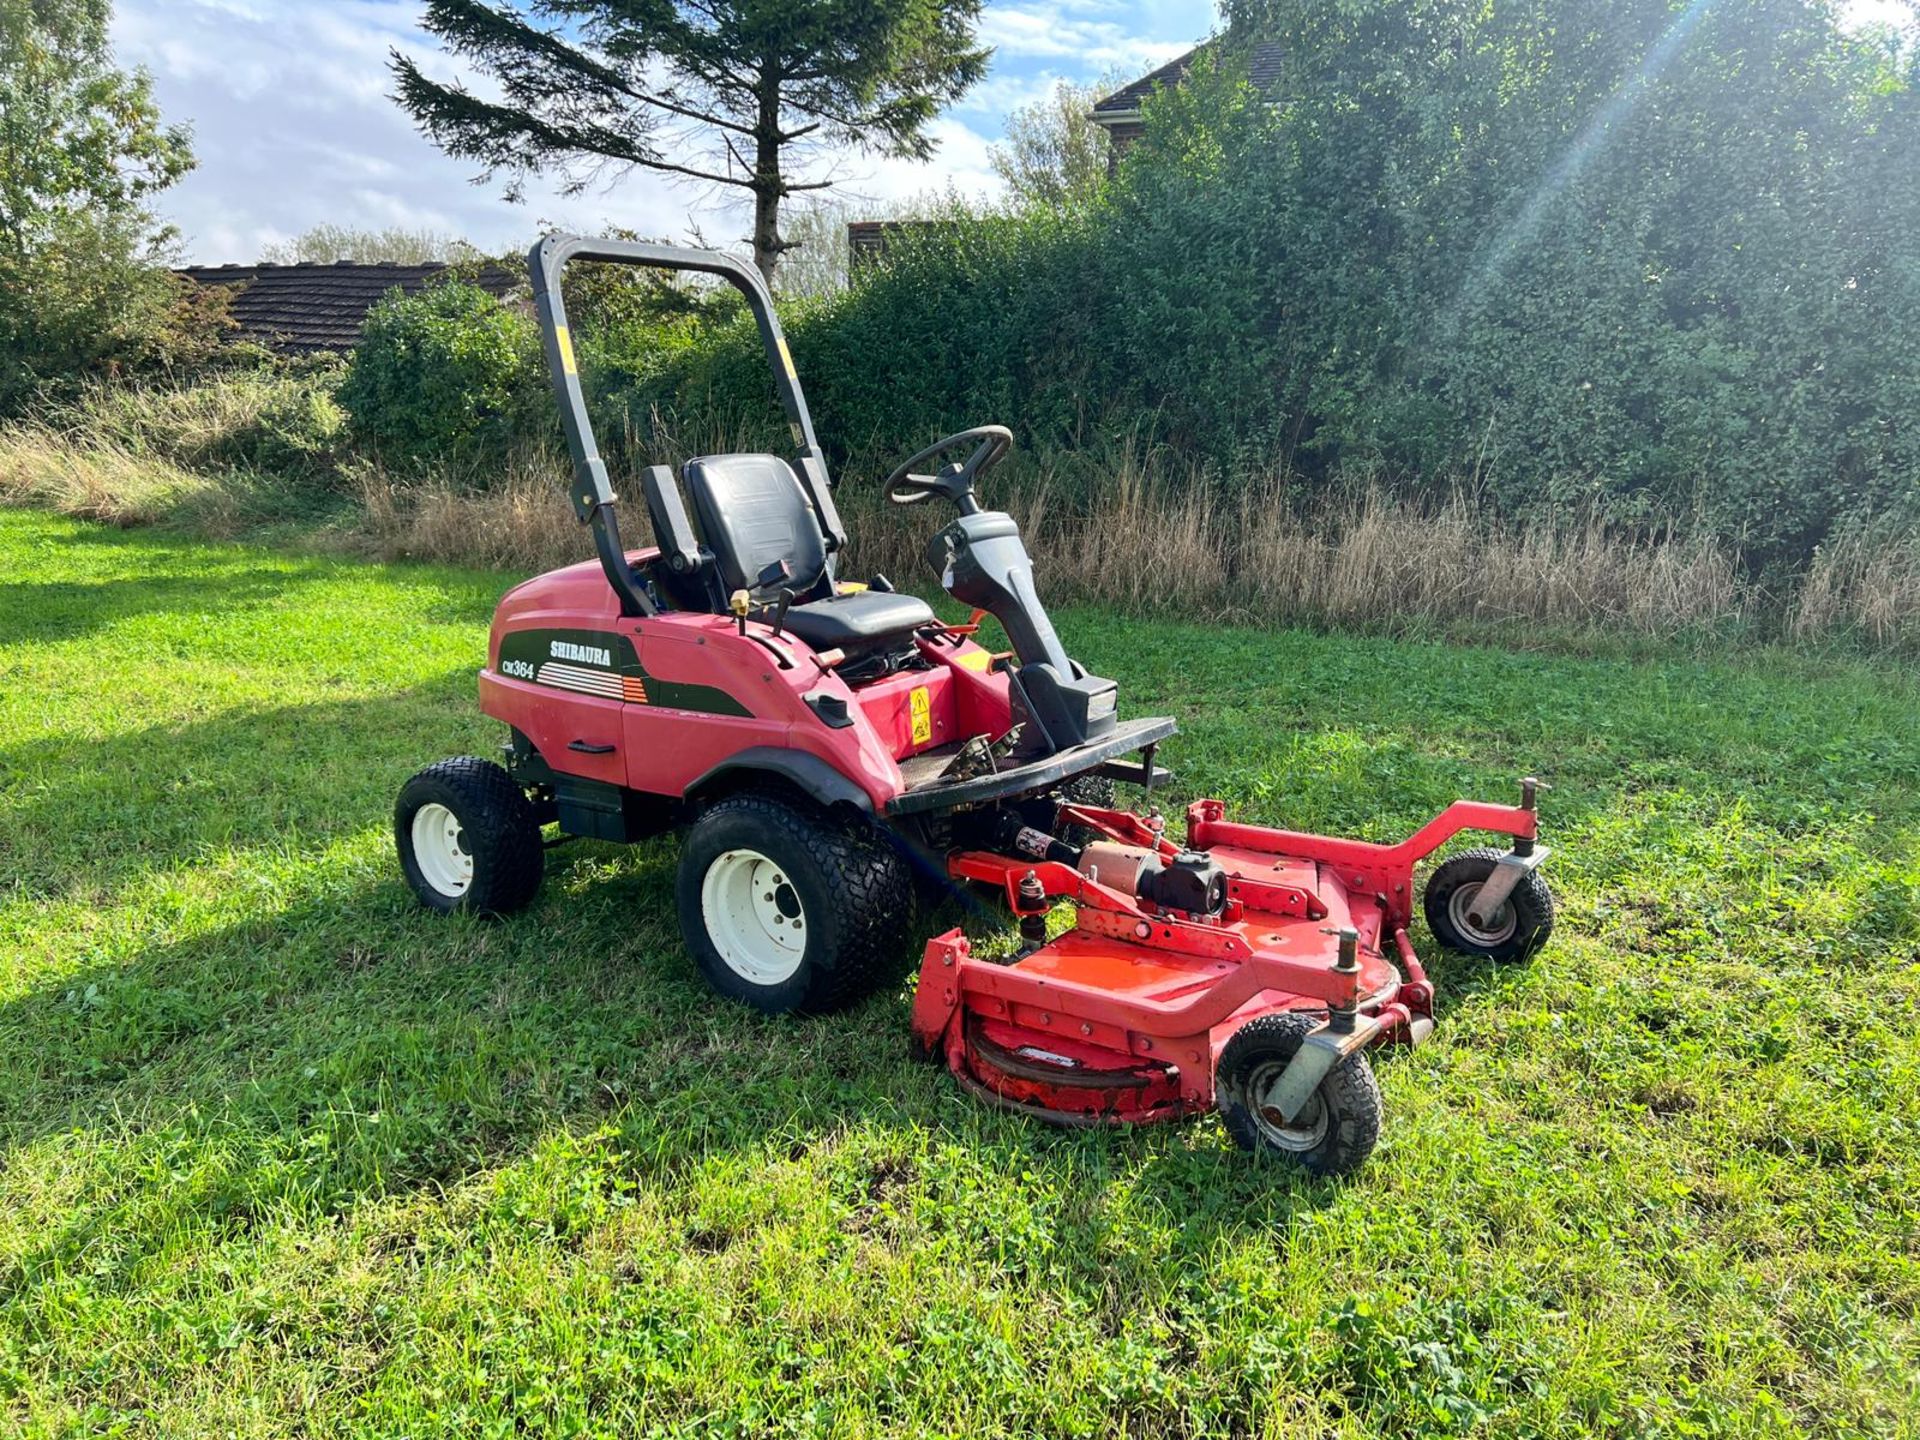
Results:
522 521
1151 541
92 480
1866 584
227 452
1123 526
1147 544
279 421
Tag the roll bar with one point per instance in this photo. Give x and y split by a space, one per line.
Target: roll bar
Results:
593 497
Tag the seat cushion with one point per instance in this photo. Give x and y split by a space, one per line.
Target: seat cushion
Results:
753 513
858 622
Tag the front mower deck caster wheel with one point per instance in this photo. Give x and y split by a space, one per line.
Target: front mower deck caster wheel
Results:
1334 1131
468 839
786 907
1518 928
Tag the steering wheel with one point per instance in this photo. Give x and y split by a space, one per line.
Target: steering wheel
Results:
954 480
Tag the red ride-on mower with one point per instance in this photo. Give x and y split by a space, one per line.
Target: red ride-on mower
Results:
825 745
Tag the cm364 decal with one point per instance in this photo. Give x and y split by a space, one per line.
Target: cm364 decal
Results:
603 664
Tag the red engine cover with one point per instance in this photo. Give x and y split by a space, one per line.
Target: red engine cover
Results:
656 703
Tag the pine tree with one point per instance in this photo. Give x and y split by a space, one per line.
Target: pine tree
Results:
747 94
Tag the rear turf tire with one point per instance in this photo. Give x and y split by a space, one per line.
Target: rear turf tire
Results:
468 839
1521 926
1340 1124
785 907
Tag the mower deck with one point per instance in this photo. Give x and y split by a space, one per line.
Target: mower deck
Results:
1100 1026
1125 1016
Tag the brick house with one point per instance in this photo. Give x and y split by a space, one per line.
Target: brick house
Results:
1119 113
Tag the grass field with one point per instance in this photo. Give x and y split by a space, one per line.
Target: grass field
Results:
284 1155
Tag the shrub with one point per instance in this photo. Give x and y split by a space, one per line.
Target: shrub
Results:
1654 259
975 319
442 372
84 305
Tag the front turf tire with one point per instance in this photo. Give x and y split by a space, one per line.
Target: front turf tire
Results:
787 907
1337 1129
468 839
1520 927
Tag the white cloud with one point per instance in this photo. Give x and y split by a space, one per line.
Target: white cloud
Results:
1055 29
1004 91
1897 13
294 126
960 163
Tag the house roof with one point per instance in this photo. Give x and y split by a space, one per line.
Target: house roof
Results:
1263 72
302 308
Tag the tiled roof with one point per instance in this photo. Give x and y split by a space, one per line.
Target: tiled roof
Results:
302 308
1263 72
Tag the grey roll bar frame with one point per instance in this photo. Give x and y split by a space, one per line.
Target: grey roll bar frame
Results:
592 494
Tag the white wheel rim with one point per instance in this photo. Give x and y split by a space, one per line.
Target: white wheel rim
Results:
1306 1130
754 917
440 850
1499 927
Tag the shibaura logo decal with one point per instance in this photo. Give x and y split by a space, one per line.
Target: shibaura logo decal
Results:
603 664
591 662
585 654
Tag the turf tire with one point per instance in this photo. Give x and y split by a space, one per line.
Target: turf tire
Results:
1530 908
498 830
853 890
1333 1140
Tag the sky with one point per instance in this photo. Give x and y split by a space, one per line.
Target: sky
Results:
293 126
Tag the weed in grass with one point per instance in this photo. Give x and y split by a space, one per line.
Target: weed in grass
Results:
284 1155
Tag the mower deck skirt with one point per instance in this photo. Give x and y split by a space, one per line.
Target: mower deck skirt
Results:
1124 1016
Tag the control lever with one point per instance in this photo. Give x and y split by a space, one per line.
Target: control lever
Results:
780 610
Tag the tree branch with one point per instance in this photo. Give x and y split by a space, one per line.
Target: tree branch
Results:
695 174
689 114
502 138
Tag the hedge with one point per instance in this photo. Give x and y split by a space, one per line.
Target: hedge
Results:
1659 258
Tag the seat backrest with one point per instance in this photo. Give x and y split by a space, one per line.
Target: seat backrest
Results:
752 514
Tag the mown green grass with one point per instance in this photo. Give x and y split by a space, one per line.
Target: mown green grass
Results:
285 1155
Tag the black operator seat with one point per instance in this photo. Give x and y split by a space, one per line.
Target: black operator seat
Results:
753 514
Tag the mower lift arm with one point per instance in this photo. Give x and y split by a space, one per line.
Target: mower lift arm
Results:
593 497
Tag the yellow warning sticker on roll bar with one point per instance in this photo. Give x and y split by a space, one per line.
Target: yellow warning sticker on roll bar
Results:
565 342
